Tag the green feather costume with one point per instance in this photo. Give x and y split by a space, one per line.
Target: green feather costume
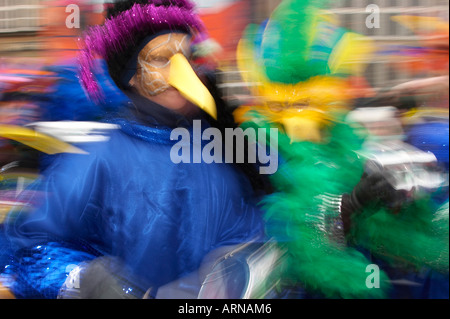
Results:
303 214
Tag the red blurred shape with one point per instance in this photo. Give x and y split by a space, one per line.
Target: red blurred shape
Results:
225 24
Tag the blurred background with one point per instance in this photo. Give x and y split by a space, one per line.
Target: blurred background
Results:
34 32
410 62
38 34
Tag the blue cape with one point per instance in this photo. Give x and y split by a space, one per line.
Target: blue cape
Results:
127 199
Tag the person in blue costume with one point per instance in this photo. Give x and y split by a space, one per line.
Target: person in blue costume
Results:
123 220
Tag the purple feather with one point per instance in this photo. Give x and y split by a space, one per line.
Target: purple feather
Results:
119 31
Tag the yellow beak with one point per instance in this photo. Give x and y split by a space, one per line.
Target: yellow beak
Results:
183 78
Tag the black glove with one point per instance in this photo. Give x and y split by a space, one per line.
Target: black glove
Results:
373 189
376 189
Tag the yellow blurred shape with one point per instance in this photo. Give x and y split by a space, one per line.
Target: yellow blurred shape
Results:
36 140
302 129
421 24
350 54
5 293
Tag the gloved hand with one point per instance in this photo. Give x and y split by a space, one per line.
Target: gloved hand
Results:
101 278
372 189
376 189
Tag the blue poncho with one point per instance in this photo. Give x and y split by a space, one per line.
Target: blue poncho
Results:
127 199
